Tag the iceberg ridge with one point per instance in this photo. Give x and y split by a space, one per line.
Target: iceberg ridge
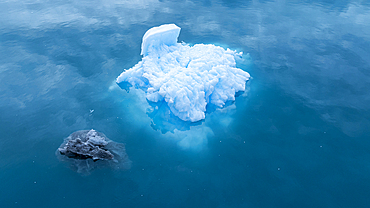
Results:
186 77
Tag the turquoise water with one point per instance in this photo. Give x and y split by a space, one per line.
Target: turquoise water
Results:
299 136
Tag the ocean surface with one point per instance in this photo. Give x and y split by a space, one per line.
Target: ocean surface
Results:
298 137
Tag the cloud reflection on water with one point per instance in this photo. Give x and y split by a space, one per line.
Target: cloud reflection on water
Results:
318 52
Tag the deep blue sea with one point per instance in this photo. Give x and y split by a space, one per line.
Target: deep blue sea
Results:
298 137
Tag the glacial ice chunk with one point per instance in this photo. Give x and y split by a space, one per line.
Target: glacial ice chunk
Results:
186 77
89 149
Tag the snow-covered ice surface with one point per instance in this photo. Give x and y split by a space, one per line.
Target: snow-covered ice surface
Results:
187 78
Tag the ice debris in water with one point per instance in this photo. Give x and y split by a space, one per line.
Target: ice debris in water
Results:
90 146
186 77
89 149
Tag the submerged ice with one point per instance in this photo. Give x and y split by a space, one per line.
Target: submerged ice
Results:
187 78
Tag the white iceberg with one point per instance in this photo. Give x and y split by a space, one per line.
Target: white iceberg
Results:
186 77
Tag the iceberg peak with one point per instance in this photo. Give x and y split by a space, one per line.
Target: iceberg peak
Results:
164 34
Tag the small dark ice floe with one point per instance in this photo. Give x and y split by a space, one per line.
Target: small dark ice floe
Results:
87 150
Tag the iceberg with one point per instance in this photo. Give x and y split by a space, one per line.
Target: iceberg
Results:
187 78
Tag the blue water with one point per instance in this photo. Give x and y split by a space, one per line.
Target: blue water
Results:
299 137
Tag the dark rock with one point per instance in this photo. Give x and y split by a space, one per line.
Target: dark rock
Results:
90 146
89 149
